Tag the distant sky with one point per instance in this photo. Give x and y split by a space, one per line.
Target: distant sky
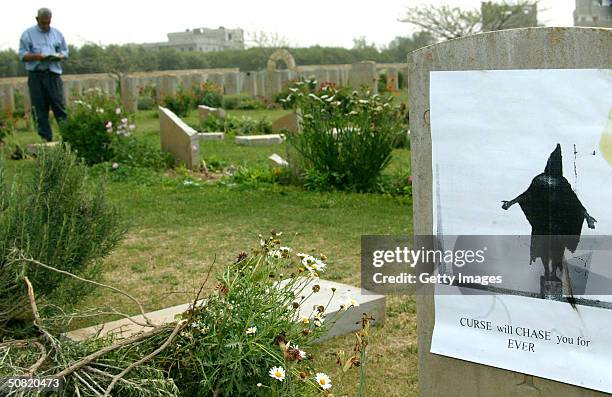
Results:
305 23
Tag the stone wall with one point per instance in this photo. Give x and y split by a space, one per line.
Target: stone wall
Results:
263 83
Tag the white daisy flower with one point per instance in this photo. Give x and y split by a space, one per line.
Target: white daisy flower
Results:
347 302
277 373
323 381
251 330
118 111
319 265
275 254
115 166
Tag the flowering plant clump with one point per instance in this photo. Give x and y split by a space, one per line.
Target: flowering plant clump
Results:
248 339
94 121
347 135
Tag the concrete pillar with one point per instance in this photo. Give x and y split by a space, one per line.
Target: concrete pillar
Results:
231 82
532 48
27 102
7 98
129 93
195 80
364 74
262 84
217 79
169 86
250 83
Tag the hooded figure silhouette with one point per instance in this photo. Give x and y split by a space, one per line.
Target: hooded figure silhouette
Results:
555 215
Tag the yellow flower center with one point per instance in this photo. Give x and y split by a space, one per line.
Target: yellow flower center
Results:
278 374
322 381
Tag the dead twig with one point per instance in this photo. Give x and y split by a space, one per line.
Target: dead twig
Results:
21 257
146 358
95 355
37 320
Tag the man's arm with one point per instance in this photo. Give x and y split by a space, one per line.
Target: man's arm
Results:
25 48
63 46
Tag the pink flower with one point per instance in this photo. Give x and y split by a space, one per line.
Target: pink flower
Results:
410 179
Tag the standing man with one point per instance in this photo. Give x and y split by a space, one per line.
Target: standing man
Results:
42 48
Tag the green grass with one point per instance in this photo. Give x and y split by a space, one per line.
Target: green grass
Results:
177 232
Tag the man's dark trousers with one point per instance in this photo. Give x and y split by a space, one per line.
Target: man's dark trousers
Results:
46 91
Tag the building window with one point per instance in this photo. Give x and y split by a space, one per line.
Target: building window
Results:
229 36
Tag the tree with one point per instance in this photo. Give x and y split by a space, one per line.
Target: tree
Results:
400 47
267 40
446 23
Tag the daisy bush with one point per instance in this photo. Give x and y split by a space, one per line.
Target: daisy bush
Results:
347 135
249 338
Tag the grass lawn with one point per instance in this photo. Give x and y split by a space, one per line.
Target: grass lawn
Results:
177 232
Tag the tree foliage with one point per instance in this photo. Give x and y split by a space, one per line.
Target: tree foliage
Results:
445 22
115 59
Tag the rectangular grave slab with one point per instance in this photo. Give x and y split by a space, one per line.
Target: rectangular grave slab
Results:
33 148
211 136
178 138
288 122
336 294
204 112
275 159
259 140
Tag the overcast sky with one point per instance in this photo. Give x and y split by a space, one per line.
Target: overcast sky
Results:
304 23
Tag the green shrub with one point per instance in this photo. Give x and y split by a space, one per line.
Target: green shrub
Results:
207 94
236 125
242 102
260 175
55 215
180 104
93 122
382 83
347 136
129 150
145 103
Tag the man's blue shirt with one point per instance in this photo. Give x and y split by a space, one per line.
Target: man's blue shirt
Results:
35 41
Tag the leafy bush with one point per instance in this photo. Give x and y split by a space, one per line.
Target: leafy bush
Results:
180 104
242 102
236 125
93 122
259 175
128 150
207 94
145 103
347 136
55 215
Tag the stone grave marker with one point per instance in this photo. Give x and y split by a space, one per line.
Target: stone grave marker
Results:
179 139
530 48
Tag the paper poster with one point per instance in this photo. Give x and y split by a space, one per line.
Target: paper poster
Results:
526 153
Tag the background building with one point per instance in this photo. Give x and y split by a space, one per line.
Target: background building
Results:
203 40
595 13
